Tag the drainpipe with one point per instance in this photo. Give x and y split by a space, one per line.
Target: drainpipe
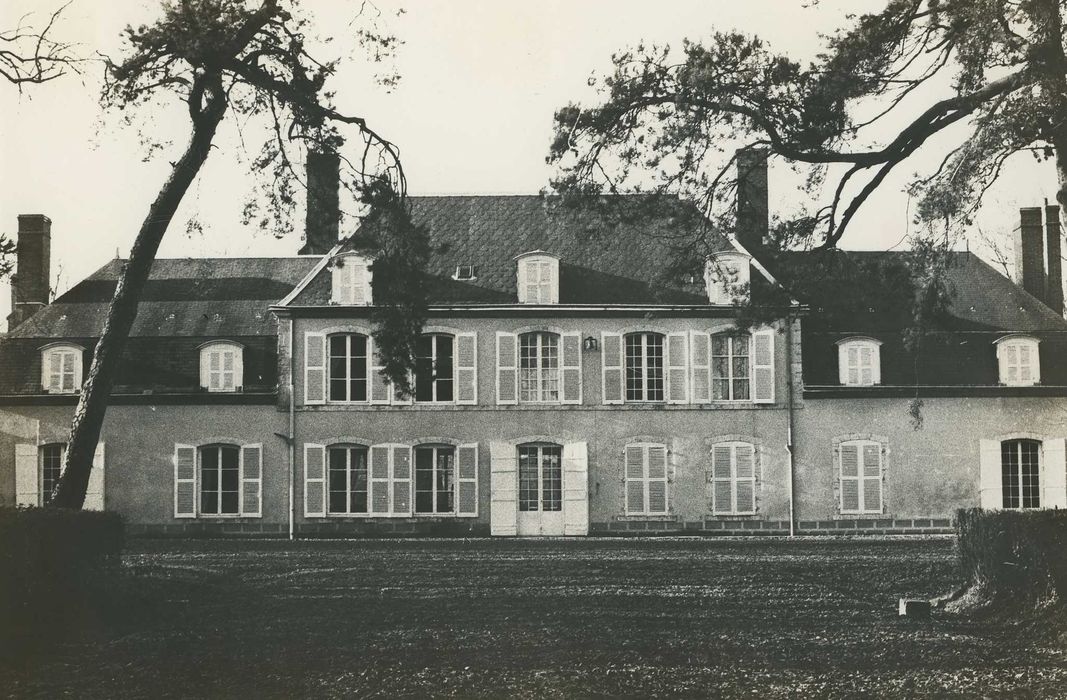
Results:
789 435
292 433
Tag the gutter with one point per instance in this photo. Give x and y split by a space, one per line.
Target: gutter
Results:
790 446
292 432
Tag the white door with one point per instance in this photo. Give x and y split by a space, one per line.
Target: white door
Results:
540 489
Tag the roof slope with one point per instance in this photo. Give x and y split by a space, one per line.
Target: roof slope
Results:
183 297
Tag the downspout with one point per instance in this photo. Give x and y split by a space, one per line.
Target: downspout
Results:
789 434
292 433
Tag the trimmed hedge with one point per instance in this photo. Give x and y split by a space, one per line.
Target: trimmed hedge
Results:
1013 557
51 562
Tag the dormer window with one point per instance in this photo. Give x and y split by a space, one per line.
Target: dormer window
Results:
859 361
465 272
351 280
1018 360
221 366
61 368
727 276
538 278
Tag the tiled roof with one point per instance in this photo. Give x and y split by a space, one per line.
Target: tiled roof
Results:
183 297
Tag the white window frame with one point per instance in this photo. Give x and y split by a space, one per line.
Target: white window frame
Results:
733 479
347 447
351 280
541 375
369 361
861 478
645 480
727 277
434 352
68 380
647 382
1010 351
538 278
218 378
200 481
435 449
851 366
45 493
732 337
1017 443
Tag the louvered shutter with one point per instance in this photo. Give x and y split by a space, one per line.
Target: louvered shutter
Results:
721 477
700 363
467 369
401 480
571 368
252 480
872 478
379 479
635 479
381 389
850 477
657 479
339 282
1054 474
763 366
467 479
314 480
507 379
503 489
205 369
575 489
314 368
990 480
184 481
52 371
94 491
677 368
612 368
27 475
1024 363
745 478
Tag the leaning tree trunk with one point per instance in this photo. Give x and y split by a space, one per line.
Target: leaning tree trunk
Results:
1051 64
89 415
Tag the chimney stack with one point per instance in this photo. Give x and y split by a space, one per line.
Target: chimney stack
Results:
753 218
1053 262
323 206
30 285
1030 252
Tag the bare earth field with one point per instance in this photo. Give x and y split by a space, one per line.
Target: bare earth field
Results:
551 618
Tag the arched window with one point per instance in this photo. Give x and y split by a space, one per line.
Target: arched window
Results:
435 479
61 368
539 367
348 480
540 477
730 368
733 478
220 479
1018 360
351 280
348 367
644 367
538 278
859 361
860 470
434 369
221 366
51 466
1020 469
727 276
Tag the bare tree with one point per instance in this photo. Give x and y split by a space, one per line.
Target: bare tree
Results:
30 55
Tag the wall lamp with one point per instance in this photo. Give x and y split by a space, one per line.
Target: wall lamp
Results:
590 343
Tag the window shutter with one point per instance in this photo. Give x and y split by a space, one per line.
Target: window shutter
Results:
400 400
467 479
571 368
520 283
763 366
575 489
657 479
677 368
51 371
94 491
721 473
314 368
700 361
990 481
381 389
401 459
745 473
872 478
380 472
184 481
252 480
507 375
843 363
612 370
866 371
314 480
27 475
1054 474
848 455
503 489
237 357
205 368
467 369
635 479
358 279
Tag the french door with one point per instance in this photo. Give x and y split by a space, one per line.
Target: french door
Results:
540 489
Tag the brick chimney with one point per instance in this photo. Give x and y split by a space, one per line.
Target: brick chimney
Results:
1030 252
323 207
30 285
1052 259
753 217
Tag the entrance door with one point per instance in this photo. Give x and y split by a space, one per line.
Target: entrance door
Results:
540 490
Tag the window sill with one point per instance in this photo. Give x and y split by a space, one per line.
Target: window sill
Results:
664 517
731 516
402 517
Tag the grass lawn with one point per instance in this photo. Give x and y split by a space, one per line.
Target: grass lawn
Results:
493 618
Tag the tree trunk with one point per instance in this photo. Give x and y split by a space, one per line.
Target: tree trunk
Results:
1052 80
89 415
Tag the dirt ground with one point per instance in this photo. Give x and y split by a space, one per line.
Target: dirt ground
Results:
548 618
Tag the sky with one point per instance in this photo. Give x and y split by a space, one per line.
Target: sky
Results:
472 114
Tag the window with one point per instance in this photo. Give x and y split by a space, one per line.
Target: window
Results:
727 276
646 479
733 478
1020 468
465 272
51 468
859 361
540 478
1019 361
860 470
348 480
435 479
348 367
433 369
221 366
538 279
644 367
61 369
538 368
351 280
730 367
220 479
